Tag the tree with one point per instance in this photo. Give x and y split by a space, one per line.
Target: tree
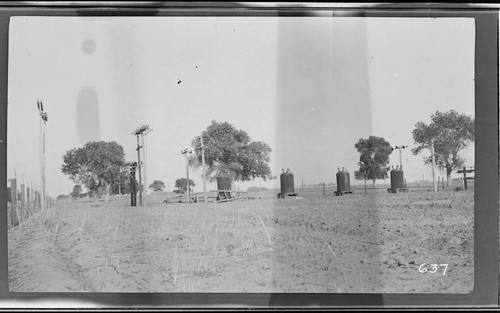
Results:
231 153
157 185
450 132
96 165
62 197
373 159
77 190
181 184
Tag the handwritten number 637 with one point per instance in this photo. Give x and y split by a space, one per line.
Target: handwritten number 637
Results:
433 268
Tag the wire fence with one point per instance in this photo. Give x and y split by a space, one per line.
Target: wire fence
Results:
357 187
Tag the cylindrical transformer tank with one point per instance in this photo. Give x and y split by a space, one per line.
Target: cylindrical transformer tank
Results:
287 183
397 179
343 181
224 183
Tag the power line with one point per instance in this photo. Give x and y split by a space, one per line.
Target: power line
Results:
43 121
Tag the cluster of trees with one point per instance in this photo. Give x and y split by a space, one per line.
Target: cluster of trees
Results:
447 134
228 152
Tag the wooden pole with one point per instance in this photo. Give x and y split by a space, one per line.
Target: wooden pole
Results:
13 203
44 191
203 169
33 206
41 159
28 199
133 192
23 201
433 166
187 181
144 161
139 169
400 159
465 179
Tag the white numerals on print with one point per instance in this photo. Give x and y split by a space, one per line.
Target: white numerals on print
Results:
432 268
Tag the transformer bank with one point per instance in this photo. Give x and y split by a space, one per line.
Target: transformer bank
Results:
287 185
397 182
343 182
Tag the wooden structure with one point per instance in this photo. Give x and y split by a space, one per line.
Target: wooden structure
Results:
214 196
282 195
396 190
341 193
465 171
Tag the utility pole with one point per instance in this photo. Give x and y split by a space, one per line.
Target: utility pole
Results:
43 122
141 131
433 165
400 157
260 188
139 169
145 188
185 152
202 148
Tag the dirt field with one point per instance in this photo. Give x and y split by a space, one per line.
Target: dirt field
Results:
357 243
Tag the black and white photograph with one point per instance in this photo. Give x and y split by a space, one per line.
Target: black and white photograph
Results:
241 154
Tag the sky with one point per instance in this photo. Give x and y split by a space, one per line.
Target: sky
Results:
310 87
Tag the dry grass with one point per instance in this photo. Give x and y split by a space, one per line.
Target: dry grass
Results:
315 244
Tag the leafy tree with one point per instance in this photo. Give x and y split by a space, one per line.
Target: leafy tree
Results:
451 132
181 184
96 165
157 185
231 152
77 190
373 159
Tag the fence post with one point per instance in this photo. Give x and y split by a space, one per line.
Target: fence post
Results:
13 203
31 201
22 208
37 201
28 202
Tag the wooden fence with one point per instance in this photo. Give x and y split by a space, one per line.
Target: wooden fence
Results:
23 201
